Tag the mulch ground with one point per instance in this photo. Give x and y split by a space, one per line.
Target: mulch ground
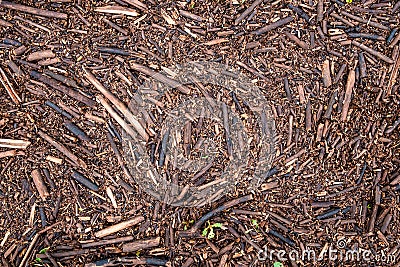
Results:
328 70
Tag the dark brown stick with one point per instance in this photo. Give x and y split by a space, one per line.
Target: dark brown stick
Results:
373 52
247 11
66 90
212 213
299 42
160 77
63 150
32 10
273 26
141 244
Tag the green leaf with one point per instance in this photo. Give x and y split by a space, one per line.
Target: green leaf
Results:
44 250
204 233
217 225
349 1
278 264
38 259
254 223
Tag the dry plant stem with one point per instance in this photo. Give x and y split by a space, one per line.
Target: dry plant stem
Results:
32 10
63 150
64 89
117 10
373 52
18 144
137 4
248 11
118 227
116 117
393 74
372 23
118 103
299 42
119 157
108 242
274 25
9 88
140 245
212 213
28 251
160 77
11 153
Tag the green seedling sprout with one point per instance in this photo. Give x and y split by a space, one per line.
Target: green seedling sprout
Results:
278 264
208 231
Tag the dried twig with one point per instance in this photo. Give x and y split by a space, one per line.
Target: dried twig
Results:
203 219
32 10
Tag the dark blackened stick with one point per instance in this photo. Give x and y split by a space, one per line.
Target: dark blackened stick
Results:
63 89
300 12
84 181
163 151
58 109
72 127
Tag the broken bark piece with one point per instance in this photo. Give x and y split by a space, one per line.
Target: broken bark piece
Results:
58 109
84 181
299 42
273 25
141 244
114 51
32 10
63 150
326 74
20 50
393 75
118 227
347 97
362 65
366 36
120 261
39 183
